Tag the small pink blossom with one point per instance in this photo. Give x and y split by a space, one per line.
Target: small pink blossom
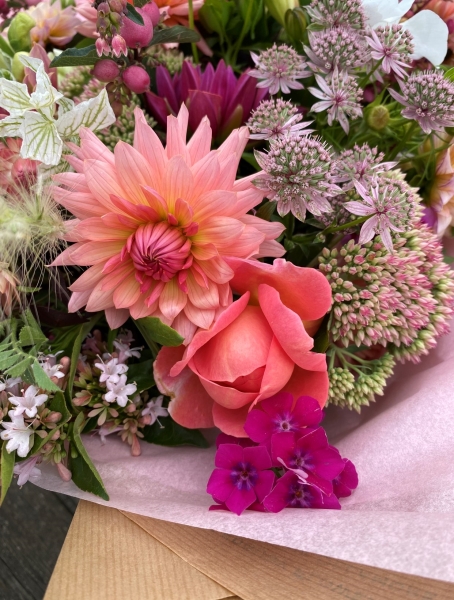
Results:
28 403
278 69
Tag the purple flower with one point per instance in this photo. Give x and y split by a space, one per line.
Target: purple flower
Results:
280 414
241 478
393 45
278 68
290 492
429 100
346 481
276 118
339 47
340 96
309 457
215 93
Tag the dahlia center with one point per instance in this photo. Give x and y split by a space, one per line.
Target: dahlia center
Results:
160 251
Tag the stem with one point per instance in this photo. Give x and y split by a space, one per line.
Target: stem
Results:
334 229
365 80
407 137
244 30
195 52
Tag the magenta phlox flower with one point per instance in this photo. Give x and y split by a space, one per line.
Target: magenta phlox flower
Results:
346 481
224 438
290 492
242 477
309 457
281 414
226 100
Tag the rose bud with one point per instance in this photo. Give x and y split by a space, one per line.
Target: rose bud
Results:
136 79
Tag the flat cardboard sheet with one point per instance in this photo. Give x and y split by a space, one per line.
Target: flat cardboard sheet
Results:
401 517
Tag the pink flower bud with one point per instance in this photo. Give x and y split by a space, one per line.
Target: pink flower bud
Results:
135 447
119 46
102 47
137 36
136 79
117 6
64 473
106 70
53 417
151 9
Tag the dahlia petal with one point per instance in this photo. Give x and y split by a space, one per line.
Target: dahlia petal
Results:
91 253
234 144
247 244
133 171
140 309
190 405
308 383
227 175
215 268
184 327
82 205
65 258
76 163
127 292
200 143
107 228
247 199
213 203
88 279
201 318
204 252
305 291
116 318
219 231
205 172
230 421
183 212
149 145
77 300
178 181
99 300
202 337
176 143
156 203
271 229
203 298
102 181
92 147
172 300
270 249
73 181
183 120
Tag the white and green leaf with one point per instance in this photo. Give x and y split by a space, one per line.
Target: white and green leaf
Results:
14 97
45 95
40 139
30 62
94 114
10 126
65 104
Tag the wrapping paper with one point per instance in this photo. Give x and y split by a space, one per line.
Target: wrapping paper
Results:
400 518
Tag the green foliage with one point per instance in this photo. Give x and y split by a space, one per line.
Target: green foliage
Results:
153 330
131 13
168 433
84 472
76 57
174 35
19 32
83 331
6 466
142 374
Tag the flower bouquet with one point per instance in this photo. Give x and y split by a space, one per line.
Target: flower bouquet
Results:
219 216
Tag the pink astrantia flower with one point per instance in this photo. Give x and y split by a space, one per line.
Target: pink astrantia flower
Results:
156 225
392 44
276 118
340 96
241 477
278 69
281 414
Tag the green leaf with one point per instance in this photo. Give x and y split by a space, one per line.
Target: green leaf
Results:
5 47
140 3
58 404
74 57
84 473
154 330
169 433
449 74
266 211
7 466
142 374
19 369
8 359
131 13
174 35
42 380
31 337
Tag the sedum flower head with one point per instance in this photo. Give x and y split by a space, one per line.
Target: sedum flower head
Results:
278 69
428 98
403 301
338 13
156 224
299 175
393 45
356 386
275 119
390 204
362 164
73 83
336 47
340 96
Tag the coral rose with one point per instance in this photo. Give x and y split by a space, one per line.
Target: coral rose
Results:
260 345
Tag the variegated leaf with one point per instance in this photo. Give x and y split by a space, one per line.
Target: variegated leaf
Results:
95 114
14 97
66 104
30 62
45 95
40 139
10 126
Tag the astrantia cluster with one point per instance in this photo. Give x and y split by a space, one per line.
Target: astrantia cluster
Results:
276 118
402 299
362 164
279 69
428 98
337 47
338 13
298 175
340 96
290 445
393 45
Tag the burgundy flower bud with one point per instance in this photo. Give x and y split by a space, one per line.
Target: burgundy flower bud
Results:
104 8
117 107
137 36
151 9
117 6
106 70
136 79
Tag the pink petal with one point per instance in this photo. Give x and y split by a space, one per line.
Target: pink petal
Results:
200 143
127 292
278 370
309 383
230 421
200 317
102 181
172 300
229 455
133 172
91 253
178 181
89 279
149 145
82 205
116 318
92 147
